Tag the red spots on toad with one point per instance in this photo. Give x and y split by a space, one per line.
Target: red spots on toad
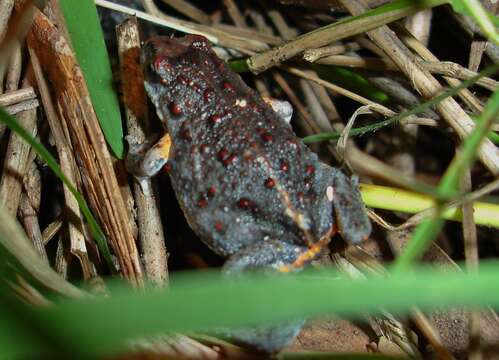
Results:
175 109
214 119
247 204
267 137
204 149
208 94
229 160
161 64
244 203
219 226
181 80
227 86
202 202
223 154
284 166
269 183
211 191
310 170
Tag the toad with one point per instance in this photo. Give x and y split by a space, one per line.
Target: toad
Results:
248 186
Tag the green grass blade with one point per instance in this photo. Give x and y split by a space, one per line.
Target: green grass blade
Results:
395 199
485 20
97 232
336 356
200 301
87 40
427 231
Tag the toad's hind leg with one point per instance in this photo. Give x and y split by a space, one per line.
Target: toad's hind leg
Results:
275 255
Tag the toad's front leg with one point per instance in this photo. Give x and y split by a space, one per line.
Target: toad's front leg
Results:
145 161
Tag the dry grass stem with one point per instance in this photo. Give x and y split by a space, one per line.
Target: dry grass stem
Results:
68 166
51 230
22 106
467 24
312 55
17 96
189 10
465 94
16 160
321 37
457 71
151 233
382 110
419 25
425 83
16 243
472 260
96 167
6 7
479 43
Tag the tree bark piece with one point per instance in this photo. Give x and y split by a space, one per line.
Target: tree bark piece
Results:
93 157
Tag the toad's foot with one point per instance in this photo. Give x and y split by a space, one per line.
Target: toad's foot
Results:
144 161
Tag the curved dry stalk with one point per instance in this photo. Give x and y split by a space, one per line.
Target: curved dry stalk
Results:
425 83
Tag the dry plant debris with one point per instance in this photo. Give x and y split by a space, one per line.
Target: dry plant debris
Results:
42 85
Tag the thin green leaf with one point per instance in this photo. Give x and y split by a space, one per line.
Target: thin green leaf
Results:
336 356
87 40
97 232
200 301
485 20
351 80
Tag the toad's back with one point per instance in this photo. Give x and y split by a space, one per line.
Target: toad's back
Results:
238 170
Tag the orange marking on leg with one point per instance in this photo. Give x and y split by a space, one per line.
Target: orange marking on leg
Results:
164 145
306 256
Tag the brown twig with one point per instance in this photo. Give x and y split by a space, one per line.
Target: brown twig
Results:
16 160
17 96
151 234
6 7
68 166
472 260
312 55
383 110
22 106
479 43
323 36
189 10
426 54
29 209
